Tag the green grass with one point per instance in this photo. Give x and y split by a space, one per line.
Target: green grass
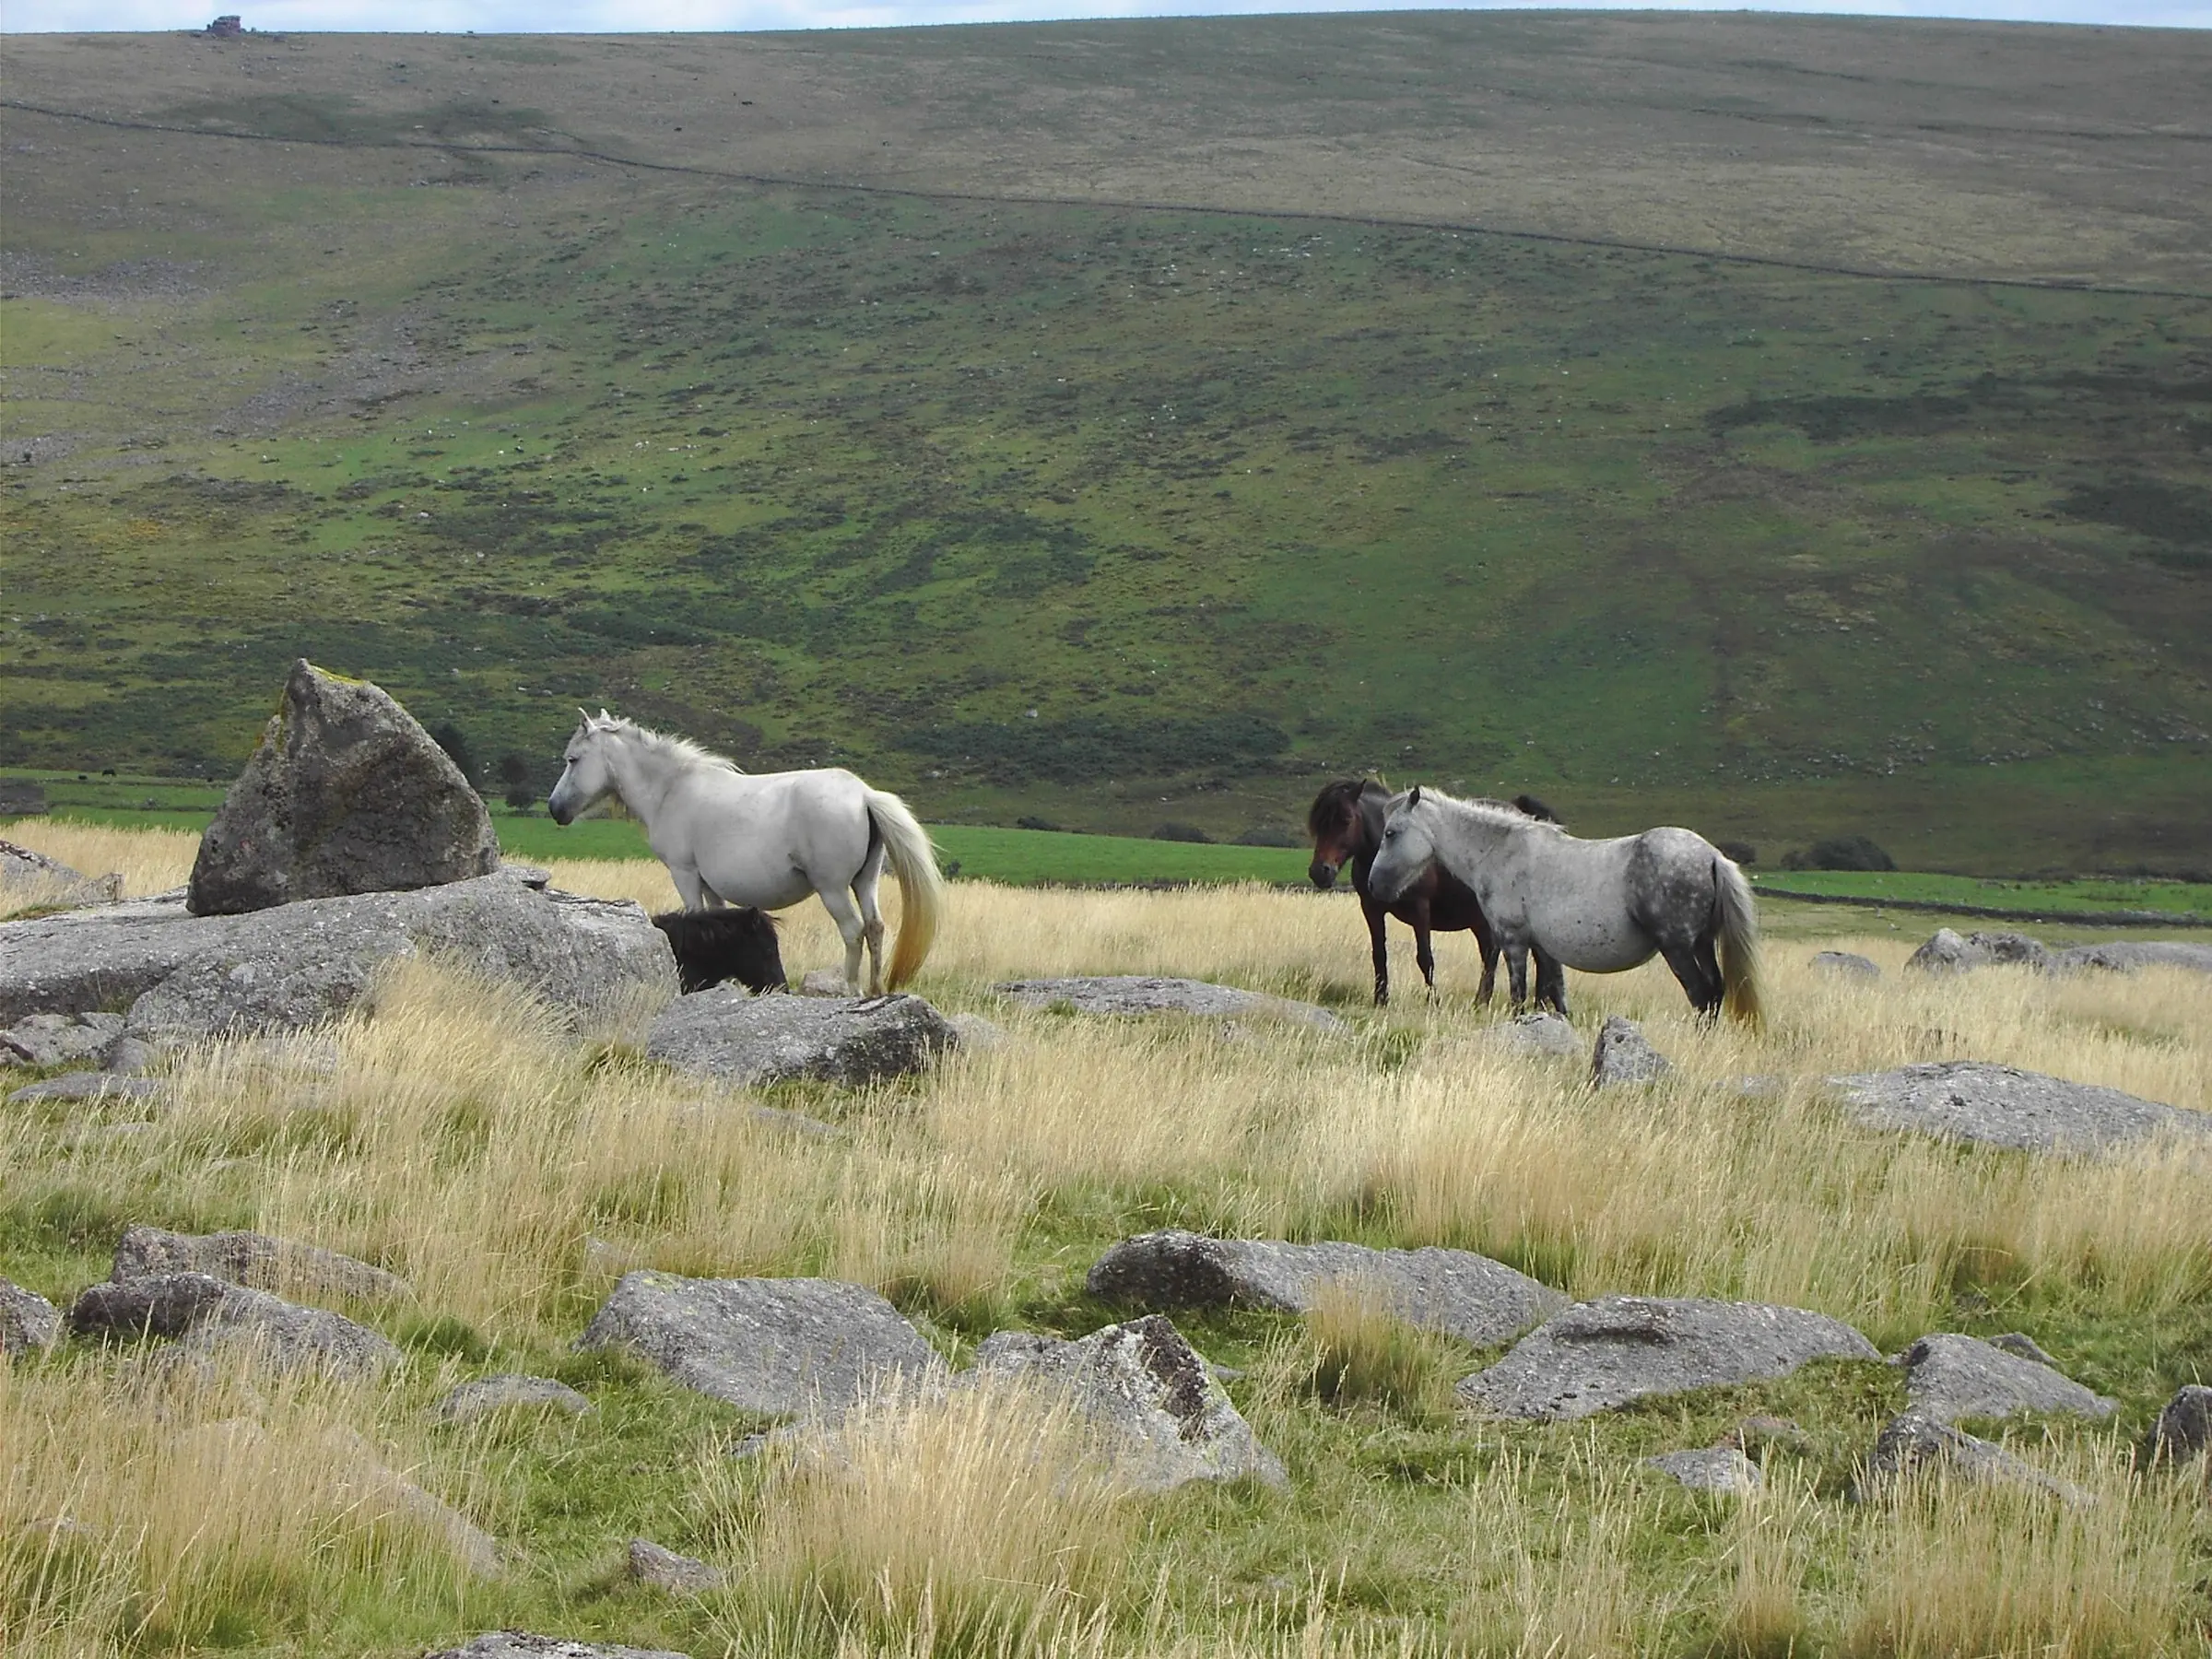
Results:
2169 898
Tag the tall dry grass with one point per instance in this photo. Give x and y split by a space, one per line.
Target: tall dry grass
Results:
455 1132
149 861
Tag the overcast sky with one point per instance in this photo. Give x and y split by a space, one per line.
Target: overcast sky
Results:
629 17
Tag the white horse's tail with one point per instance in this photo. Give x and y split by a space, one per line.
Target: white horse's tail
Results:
921 889
1738 938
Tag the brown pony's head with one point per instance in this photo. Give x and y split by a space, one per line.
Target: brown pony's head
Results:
1333 823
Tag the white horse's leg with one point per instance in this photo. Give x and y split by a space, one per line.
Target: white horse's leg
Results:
850 928
689 887
865 887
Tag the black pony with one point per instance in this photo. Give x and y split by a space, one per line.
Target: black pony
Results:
717 944
1346 822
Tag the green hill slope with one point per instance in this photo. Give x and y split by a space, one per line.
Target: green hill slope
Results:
1111 514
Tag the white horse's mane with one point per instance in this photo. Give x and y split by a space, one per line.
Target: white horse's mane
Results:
681 749
1502 813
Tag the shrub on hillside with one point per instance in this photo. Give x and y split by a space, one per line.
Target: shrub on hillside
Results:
1742 852
1180 832
1839 853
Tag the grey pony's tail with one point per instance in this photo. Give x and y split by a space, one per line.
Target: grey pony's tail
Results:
1739 937
921 889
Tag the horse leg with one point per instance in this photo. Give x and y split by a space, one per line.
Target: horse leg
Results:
1424 957
1552 984
850 928
689 888
1516 973
1704 990
1378 948
1486 943
871 916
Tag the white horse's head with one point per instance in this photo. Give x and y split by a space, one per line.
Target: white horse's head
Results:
587 774
1407 847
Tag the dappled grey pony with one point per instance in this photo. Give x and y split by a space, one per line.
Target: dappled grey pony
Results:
728 838
1601 906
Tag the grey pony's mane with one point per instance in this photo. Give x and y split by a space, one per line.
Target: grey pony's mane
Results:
1502 813
681 749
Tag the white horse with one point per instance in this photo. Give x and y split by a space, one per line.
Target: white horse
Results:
1601 906
728 838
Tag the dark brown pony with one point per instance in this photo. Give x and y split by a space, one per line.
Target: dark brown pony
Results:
1346 822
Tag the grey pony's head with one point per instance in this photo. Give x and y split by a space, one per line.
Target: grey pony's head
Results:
586 777
1407 849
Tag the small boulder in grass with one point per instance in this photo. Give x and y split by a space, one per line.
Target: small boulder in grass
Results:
1623 1054
207 1314
1949 1376
1720 1469
2182 1433
29 1322
508 1392
664 1569
1845 964
1539 1033
253 1260
1913 1444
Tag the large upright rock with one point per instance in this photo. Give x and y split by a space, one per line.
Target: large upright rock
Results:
769 1344
345 795
1624 1054
1160 1414
1601 1354
183 977
1462 1295
730 1035
2004 1106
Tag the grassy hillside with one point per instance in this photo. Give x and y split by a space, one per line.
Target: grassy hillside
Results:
1102 514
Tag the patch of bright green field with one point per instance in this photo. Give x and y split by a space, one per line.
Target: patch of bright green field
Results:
2168 898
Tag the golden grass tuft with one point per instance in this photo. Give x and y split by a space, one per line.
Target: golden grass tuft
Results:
149 861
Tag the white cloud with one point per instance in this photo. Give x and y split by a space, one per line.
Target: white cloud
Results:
639 16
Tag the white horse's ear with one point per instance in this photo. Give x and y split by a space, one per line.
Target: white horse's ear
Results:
1414 799
585 715
604 718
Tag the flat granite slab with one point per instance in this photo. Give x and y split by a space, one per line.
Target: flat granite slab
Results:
2004 1106
1136 994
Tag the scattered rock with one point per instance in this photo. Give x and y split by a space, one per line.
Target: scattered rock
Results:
346 794
57 1038
1845 964
1623 1055
207 1314
1949 1377
252 1260
824 981
1911 1443
185 977
87 1086
129 1056
1543 1033
1132 993
1601 1354
2004 1106
977 1034
1165 1420
1462 1295
28 877
665 1570
2127 956
1945 952
2184 1430
2025 1346
521 1644
1711 1469
752 1042
505 1393
770 1345
29 1322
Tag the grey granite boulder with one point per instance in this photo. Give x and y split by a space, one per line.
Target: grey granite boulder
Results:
2183 1433
2025 1346
346 794
31 878
508 1392
1160 1414
87 1086
1540 1034
253 1260
2004 1106
1913 1444
2127 956
1949 1377
1845 964
1945 952
650 1563
726 1033
29 1322
183 977
1133 994
1603 1354
1710 1470
58 1039
767 1344
521 1644
1455 1291
207 1314
1622 1054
